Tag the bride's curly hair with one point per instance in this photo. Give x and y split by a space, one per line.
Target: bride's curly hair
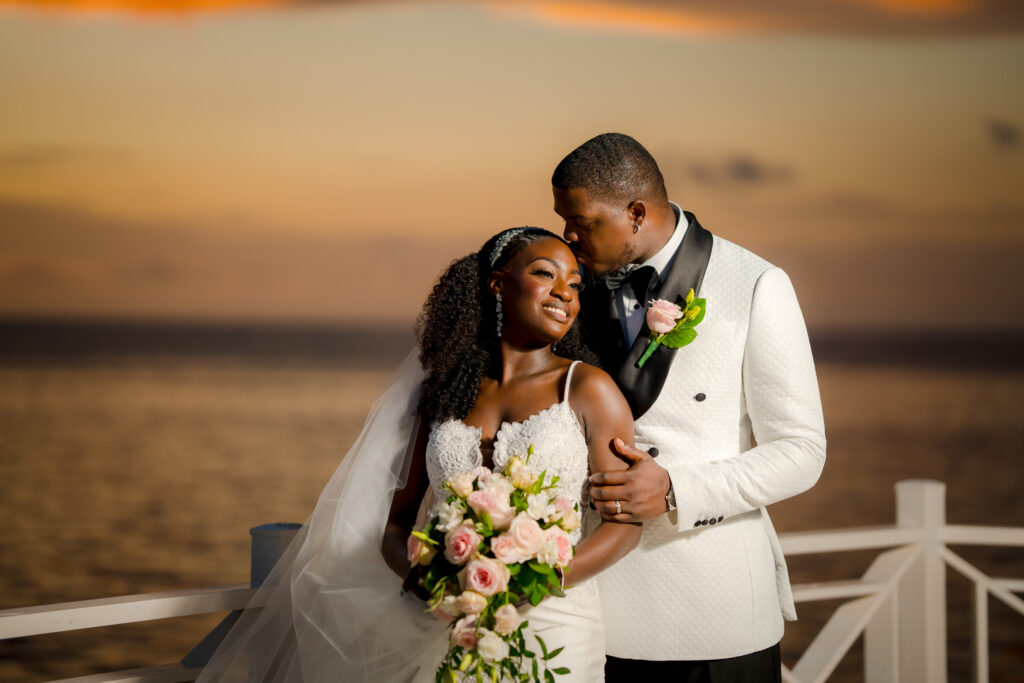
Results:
457 329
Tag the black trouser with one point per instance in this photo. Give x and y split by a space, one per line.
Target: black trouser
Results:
757 667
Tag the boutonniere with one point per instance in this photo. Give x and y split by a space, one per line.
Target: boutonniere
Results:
671 324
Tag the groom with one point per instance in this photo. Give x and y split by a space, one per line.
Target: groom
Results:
735 418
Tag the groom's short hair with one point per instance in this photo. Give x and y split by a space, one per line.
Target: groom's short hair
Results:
613 168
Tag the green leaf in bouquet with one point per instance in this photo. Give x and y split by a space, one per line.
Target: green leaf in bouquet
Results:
562 670
554 653
513 569
543 645
536 595
538 485
485 527
536 670
548 677
679 337
424 537
557 591
541 568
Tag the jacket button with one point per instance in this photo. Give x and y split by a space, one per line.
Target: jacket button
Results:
721 517
700 396
696 524
714 521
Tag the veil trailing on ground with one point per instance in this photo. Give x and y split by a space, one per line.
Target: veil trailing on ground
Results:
332 609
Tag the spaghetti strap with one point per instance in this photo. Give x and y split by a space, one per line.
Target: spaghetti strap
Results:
568 379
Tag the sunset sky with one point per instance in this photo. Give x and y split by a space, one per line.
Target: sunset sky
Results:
324 161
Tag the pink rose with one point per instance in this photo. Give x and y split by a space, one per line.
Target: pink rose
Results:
460 543
662 316
562 545
490 502
562 504
527 534
485 576
505 549
464 633
418 552
506 619
481 473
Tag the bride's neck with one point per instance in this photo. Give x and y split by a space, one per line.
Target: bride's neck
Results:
518 362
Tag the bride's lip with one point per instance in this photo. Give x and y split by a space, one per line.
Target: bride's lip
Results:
557 312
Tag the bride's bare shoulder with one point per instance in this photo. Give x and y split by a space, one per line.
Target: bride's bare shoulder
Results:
593 387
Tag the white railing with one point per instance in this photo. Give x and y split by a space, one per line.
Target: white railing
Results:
898 605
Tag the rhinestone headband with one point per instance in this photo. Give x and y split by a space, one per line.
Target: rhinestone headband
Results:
503 241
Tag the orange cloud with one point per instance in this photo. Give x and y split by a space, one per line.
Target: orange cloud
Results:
635 17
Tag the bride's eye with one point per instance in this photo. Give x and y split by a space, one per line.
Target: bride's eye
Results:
578 286
544 273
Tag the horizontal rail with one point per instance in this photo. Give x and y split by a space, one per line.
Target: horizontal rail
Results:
125 609
842 540
167 673
833 590
982 535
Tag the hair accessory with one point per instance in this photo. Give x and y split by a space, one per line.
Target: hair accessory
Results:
497 297
502 242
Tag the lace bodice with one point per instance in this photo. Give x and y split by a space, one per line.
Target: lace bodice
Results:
559 447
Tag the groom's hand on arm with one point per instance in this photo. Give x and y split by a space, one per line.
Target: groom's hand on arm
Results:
640 490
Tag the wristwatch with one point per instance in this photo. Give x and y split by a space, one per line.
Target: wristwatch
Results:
670 498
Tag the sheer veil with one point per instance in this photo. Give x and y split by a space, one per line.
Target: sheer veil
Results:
332 609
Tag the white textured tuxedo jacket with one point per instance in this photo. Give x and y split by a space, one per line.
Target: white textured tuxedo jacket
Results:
709 581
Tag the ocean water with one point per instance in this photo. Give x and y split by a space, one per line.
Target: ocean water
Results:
139 466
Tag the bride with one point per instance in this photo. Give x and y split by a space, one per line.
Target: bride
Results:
499 371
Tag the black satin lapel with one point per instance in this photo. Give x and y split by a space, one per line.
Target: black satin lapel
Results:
603 328
642 386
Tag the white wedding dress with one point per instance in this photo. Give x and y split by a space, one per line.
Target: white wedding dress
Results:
332 610
560 449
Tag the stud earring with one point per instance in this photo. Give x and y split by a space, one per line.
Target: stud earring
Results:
636 228
497 314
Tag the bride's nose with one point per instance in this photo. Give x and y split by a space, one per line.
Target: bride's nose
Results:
560 289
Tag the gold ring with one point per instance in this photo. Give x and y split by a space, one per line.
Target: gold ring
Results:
618 507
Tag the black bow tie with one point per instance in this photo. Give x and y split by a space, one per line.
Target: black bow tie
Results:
643 279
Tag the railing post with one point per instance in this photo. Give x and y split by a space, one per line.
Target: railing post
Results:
921 504
269 541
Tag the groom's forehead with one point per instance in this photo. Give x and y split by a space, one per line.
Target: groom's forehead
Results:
573 202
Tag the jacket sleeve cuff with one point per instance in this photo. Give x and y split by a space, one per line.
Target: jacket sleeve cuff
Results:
693 510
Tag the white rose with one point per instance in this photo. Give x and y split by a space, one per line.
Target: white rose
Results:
570 520
449 516
447 609
499 485
523 477
548 553
471 602
490 646
539 505
462 484
506 619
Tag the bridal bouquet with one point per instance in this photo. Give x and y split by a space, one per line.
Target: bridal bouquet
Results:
498 540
